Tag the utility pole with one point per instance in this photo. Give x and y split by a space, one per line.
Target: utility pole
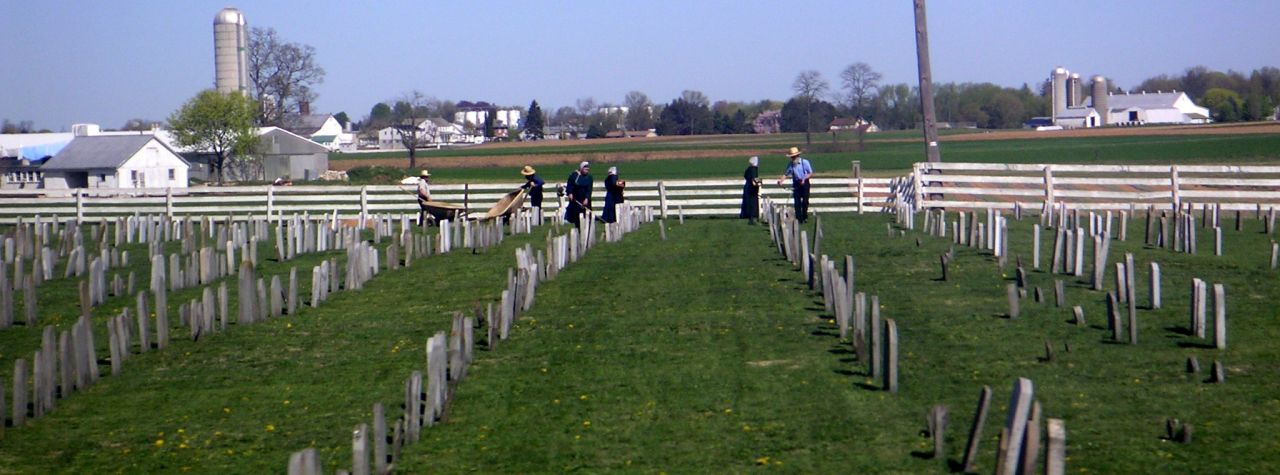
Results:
926 86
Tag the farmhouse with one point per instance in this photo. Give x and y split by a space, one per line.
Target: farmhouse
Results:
116 161
323 129
431 132
768 122
1072 109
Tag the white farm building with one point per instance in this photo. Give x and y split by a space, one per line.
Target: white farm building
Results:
116 161
1073 109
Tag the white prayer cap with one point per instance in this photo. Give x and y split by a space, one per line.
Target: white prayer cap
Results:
613 170
754 161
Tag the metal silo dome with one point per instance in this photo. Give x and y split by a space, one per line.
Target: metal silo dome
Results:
229 16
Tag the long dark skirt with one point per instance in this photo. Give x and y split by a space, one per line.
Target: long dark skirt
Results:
750 202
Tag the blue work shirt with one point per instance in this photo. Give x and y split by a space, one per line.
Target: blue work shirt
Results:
799 169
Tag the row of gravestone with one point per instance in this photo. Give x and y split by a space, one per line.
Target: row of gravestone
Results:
448 359
79 361
874 341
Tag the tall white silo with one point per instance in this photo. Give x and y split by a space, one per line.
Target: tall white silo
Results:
1100 101
231 51
1075 91
1058 86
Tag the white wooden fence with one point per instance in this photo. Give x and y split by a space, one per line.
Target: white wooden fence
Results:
693 197
987 185
930 185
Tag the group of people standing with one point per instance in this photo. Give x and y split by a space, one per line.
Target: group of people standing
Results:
799 171
577 189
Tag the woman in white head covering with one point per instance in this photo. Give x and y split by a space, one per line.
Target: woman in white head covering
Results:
751 191
612 195
578 189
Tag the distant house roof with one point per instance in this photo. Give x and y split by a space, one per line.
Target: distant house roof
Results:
323 139
440 122
304 124
99 152
844 122
1157 100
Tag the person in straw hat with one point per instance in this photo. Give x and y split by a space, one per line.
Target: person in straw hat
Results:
799 171
424 195
532 186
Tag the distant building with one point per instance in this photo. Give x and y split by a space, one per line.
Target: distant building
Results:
768 122
432 132
1072 109
475 114
323 129
116 161
20 174
847 123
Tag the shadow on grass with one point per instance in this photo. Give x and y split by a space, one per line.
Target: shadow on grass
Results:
868 387
1178 330
1196 344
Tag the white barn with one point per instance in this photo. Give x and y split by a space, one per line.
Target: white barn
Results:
1154 108
116 161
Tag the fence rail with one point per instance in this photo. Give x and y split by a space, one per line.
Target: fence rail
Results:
930 185
988 185
692 197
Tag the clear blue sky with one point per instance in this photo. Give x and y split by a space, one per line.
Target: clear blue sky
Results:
63 62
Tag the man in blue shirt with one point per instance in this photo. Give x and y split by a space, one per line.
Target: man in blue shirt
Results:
799 171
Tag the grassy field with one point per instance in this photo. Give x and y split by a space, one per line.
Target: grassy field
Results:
701 353
705 353
883 157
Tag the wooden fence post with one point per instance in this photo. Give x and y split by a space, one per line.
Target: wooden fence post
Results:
857 176
917 197
1048 187
364 205
79 205
271 200
662 198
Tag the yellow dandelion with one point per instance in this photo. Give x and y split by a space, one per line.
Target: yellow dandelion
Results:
762 461
226 410
159 442
586 423
271 428
544 370
286 402
728 411
555 401
583 397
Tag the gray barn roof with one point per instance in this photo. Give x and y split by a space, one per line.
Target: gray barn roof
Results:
98 152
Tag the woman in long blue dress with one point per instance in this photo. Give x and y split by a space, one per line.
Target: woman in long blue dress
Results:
613 195
751 191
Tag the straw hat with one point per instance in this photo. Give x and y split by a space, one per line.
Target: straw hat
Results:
527 170
424 173
794 151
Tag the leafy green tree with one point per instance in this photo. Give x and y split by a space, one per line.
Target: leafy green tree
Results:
342 118
1224 104
596 131
380 116
798 112
685 118
535 121
221 124
1004 111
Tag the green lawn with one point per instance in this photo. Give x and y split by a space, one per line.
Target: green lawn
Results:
701 353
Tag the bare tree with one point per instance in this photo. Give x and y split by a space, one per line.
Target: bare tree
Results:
410 135
639 111
696 98
860 84
809 85
283 74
